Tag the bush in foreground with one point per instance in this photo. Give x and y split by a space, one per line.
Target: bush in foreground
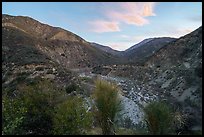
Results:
108 104
13 115
40 98
159 118
71 117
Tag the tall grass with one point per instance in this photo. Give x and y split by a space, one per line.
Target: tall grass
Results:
107 105
159 118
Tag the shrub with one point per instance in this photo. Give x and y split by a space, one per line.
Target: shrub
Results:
71 117
13 115
40 97
107 105
71 87
159 118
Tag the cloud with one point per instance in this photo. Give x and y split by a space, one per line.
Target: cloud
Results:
148 9
101 26
128 18
134 13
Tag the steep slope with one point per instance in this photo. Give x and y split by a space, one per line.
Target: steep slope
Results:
31 49
186 49
36 29
141 51
22 61
60 45
180 73
174 73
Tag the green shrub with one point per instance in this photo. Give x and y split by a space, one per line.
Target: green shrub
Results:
13 115
71 117
107 105
159 118
71 87
40 97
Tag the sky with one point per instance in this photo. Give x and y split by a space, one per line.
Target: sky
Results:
119 25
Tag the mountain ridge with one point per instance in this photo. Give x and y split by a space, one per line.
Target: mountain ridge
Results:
46 37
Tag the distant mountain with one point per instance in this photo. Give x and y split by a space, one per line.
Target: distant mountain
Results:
106 48
138 45
141 51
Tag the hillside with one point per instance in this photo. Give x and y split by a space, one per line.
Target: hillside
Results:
138 53
56 43
146 48
174 73
38 49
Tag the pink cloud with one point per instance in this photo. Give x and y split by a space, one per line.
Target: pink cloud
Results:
139 8
128 18
132 13
101 26
148 9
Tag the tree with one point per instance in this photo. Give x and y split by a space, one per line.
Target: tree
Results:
159 118
108 104
71 117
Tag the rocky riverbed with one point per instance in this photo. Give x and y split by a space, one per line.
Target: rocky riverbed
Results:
132 98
